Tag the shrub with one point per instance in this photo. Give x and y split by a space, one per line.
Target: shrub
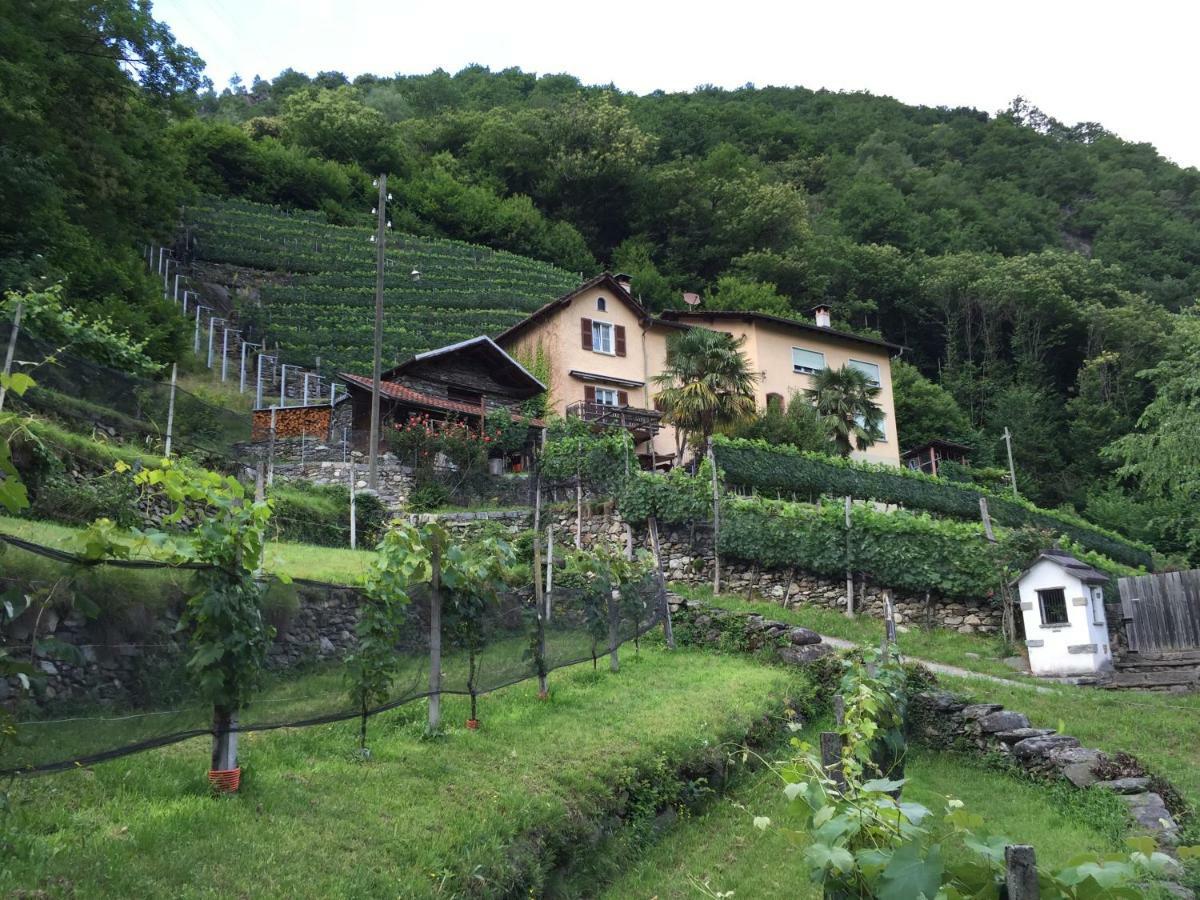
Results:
320 514
757 465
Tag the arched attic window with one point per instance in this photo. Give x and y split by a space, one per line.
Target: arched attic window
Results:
775 402
601 306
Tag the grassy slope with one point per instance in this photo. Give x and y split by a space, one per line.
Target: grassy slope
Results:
332 564
939 645
721 848
312 821
1163 730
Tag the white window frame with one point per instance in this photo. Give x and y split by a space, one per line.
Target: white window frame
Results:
807 370
866 367
604 328
1097 598
607 392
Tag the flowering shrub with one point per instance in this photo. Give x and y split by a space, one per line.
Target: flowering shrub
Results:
447 457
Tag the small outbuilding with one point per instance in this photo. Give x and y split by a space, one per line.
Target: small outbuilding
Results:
1062 606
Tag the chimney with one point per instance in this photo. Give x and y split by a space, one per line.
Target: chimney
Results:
625 281
821 315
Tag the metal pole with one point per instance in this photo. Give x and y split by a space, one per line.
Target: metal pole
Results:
242 369
305 393
175 289
212 321
12 348
196 337
377 362
849 567
185 296
271 451
258 382
171 409
1012 471
224 349
167 278
435 640
353 519
160 259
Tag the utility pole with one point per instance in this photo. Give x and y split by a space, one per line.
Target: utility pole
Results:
1012 471
377 364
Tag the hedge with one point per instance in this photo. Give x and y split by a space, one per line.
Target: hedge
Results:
320 514
762 467
907 551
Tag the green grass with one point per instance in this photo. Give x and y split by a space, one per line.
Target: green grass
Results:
937 645
422 817
1163 730
721 848
331 564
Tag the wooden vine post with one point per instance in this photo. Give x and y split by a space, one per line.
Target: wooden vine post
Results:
716 538
831 759
435 638
12 348
1020 873
849 566
539 598
668 631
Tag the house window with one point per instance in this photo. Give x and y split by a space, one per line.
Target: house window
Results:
880 432
602 337
871 370
1053 603
601 306
1098 606
807 362
607 397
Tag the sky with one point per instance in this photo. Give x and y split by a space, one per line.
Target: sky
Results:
1130 66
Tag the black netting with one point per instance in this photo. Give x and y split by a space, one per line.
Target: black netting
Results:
112 676
136 409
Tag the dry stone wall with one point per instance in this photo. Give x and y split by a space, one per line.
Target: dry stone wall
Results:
120 659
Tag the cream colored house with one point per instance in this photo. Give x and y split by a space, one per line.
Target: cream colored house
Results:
604 349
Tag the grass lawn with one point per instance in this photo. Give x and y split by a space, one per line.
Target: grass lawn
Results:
338 565
1163 730
721 850
467 813
938 645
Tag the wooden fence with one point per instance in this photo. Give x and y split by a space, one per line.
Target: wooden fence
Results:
1162 611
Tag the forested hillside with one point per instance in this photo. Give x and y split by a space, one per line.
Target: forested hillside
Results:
1033 270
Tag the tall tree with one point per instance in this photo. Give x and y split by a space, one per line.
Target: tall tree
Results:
707 384
845 401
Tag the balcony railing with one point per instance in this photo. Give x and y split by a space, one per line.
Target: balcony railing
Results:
630 417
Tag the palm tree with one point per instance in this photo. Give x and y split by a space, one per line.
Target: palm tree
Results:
845 401
707 384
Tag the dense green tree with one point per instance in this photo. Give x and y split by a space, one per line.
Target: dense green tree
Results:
736 292
926 411
793 422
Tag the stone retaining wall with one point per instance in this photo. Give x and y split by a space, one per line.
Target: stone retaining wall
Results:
127 657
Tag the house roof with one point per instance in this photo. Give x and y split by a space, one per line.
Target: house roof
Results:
682 315
610 379
1081 570
408 395
499 364
604 279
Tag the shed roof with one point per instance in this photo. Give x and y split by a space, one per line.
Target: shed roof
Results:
1081 570
487 353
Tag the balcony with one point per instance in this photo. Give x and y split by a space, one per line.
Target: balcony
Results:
642 423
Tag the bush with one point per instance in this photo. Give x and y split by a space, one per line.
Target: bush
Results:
757 465
61 498
320 514
908 551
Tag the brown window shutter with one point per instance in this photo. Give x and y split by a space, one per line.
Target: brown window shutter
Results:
589 392
622 396
619 339
585 332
